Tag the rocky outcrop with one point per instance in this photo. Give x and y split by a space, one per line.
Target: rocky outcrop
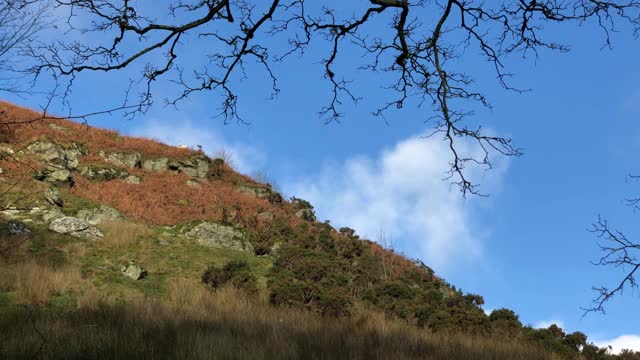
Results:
131 160
97 215
219 236
306 214
265 216
58 156
156 164
102 173
193 183
49 215
256 192
132 179
18 228
195 166
54 176
75 227
134 272
53 197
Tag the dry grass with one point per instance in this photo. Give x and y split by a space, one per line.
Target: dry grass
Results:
122 235
193 323
35 283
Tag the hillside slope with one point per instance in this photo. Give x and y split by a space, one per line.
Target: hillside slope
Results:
132 238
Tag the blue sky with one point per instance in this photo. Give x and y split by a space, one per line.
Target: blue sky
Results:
525 247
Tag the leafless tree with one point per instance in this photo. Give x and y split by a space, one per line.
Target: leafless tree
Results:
418 45
20 21
618 252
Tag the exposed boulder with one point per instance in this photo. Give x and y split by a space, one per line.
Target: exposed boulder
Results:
102 173
306 214
6 150
195 166
58 127
193 183
55 176
97 215
134 272
256 192
18 228
131 160
58 156
53 197
75 227
265 216
156 164
220 236
49 215
132 179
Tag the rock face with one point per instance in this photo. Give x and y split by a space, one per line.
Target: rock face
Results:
306 214
55 176
256 192
132 179
196 166
216 235
97 215
75 227
18 228
53 197
103 174
49 215
58 156
134 272
155 165
131 160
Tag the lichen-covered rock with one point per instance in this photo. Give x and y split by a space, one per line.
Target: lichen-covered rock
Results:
102 174
193 183
131 160
55 176
58 156
49 215
134 272
6 150
196 166
97 215
156 164
265 216
256 192
18 228
216 235
75 227
53 197
306 214
132 179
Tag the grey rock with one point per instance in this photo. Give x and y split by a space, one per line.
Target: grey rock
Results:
75 227
156 165
103 174
306 214
55 176
18 228
132 179
131 160
58 156
193 183
265 216
196 166
49 215
97 215
53 197
6 150
256 192
134 272
216 235
58 127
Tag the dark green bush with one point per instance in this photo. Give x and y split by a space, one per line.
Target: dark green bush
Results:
235 273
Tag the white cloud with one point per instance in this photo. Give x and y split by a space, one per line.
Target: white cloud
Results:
631 342
244 158
546 323
402 191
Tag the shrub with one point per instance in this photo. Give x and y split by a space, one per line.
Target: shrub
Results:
236 273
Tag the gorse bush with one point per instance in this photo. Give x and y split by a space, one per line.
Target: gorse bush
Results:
236 273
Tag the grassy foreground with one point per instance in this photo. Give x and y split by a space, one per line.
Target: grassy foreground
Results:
194 323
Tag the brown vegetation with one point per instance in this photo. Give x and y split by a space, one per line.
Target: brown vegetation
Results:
35 283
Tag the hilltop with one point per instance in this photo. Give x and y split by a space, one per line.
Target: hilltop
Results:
115 246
